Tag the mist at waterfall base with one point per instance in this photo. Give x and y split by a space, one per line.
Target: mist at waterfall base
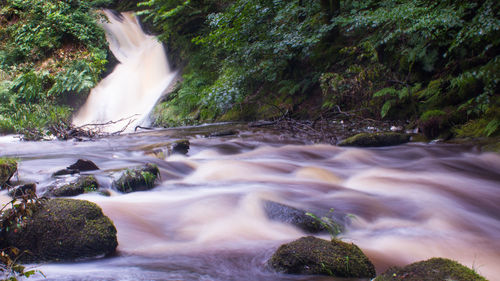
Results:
130 92
205 219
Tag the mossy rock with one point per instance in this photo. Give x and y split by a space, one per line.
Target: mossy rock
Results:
432 269
82 185
8 168
299 218
137 179
63 230
311 255
376 139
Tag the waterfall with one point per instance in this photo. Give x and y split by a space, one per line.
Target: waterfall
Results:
131 91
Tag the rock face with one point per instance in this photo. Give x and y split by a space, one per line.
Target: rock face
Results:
283 213
138 179
82 185
311 255
376 139
62 230
8 168
432 269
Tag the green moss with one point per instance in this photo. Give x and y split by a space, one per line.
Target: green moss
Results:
8 168
310 255
64 229
376 139
432 269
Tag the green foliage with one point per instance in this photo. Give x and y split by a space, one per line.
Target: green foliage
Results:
237 48
50 52
328 223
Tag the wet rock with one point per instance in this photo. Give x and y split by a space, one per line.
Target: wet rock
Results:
83 165
180 147
432 269
63 229
165 149
82 185
222 134
8 168
23 190
376 139
311 255
137 179
64 172
283 213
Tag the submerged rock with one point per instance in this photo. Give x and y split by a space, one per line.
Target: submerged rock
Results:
82 185
8 168
311 255
63 229
299 218
432 269
376 139
165 149
221 134
137 179
64 172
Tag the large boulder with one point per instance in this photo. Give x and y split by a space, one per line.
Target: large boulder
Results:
8 168
376 139
311 255
82 185
137 179
432 269
63 229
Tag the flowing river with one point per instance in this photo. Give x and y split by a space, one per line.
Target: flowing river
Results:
205 219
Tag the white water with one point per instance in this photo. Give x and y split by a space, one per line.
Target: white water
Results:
133 88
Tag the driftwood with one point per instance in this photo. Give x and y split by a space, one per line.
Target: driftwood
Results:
65 131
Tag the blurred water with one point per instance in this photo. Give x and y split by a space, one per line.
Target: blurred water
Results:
205 219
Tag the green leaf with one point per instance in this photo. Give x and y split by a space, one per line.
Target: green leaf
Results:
386 107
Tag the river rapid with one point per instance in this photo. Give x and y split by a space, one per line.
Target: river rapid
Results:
205 219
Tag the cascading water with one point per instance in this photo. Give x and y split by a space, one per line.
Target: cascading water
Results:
130 92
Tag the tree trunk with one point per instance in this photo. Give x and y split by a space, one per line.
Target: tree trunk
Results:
332 7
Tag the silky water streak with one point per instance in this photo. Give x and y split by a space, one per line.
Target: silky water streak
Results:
131 91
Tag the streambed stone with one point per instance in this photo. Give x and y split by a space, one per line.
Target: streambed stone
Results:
432 269
287 214
137 179
376 139
82 185
83 165
311 255
63 230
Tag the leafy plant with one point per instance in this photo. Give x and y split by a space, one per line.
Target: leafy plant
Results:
328 223
12 219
